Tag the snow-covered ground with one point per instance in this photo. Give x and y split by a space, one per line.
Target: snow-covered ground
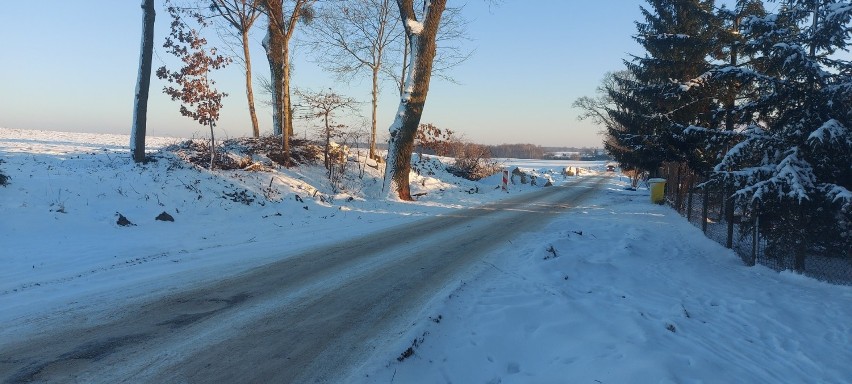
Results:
629 293
634 295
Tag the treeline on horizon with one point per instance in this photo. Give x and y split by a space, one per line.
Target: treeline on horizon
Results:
533 151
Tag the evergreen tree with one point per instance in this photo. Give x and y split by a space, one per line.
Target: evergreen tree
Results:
651 110
793 161
732 51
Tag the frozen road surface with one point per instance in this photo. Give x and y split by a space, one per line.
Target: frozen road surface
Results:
309 317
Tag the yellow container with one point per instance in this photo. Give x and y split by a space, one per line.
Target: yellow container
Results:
658 190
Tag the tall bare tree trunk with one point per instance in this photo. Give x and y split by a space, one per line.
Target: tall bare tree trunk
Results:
799 251
690 191
421 38
143 83
375 104
276 55
255 127
279 33
705 202
285 110
287 105
325 151
212 145
679 188
729 217
405 65
270 44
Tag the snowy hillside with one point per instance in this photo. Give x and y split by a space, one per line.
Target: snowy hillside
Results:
618 290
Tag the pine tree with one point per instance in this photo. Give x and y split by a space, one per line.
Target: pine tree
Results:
732 52
651 111
792 161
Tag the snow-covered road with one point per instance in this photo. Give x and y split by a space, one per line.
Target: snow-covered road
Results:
310 316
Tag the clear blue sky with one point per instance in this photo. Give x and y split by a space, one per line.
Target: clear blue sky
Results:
71 65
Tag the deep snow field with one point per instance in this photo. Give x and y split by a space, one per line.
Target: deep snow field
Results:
633 294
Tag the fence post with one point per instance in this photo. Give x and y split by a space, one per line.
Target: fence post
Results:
755 238
729 217
704 208
689 190
677 189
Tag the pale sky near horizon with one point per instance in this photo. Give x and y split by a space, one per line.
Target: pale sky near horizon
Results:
72 66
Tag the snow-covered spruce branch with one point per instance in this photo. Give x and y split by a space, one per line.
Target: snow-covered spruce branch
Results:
792 172
831 131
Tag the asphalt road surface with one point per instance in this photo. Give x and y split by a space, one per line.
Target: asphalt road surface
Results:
310 317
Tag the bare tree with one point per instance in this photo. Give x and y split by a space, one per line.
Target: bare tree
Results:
595 108
143 83
449 52
241 15
599 109
420 37
193 86
353 138
355 36
280 27
323 105
473 161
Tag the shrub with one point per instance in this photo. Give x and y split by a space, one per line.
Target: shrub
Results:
4 180
473 162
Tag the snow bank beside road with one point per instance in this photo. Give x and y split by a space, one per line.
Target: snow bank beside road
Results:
634 294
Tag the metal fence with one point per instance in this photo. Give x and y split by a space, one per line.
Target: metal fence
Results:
706 208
